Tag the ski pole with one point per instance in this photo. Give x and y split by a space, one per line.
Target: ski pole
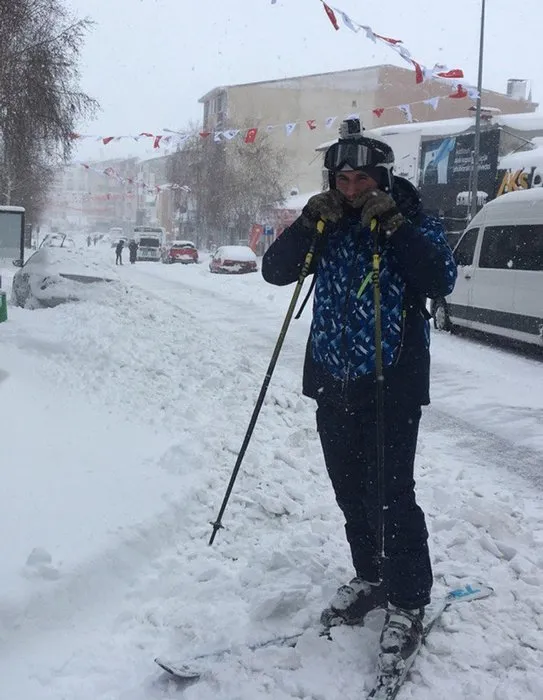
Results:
217 525
380 402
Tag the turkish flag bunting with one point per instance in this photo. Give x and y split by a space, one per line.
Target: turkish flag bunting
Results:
74 135
311 124
250 136
205 134
418 72
454 73
156 143
107 139
378 111
459 94
146 133
331 15
389 41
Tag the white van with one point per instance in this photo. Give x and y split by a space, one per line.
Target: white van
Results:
499 289
150 240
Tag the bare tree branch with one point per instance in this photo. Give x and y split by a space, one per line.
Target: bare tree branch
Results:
232 182
40 99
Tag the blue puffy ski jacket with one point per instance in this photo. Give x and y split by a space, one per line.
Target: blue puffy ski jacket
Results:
416 263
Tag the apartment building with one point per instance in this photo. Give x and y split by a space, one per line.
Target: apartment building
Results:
276 103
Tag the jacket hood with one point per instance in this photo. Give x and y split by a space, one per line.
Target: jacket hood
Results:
407 197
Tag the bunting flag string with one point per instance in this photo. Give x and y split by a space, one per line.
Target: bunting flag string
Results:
422 73
249 135
111 172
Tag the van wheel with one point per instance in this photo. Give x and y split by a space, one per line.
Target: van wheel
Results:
442 321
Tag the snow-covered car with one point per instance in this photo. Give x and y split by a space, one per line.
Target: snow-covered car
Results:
54 275
233 259
57 240
180 252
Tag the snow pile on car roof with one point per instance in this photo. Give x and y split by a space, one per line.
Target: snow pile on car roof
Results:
72 261
241 253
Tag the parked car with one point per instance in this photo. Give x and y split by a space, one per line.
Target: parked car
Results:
57 240
499 289
233 259
54 275
180 252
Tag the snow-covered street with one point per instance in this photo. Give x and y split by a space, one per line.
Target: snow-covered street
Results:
121 422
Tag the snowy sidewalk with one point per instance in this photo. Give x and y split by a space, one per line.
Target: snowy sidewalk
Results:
155 391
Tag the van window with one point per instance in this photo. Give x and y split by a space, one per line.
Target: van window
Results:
512 247
464 251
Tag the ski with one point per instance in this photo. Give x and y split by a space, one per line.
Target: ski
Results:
194 668
198 665
389 681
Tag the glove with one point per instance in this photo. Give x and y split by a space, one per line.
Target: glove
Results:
325 205
376 204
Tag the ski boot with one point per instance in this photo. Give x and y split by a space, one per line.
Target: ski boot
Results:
352 602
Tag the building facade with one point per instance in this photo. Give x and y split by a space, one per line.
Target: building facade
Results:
272 105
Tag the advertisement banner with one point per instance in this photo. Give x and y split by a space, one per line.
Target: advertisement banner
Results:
447 166
255 236
520 179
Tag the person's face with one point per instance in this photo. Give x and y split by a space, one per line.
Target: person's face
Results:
352 183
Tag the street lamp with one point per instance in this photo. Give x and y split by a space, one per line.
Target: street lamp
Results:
477 141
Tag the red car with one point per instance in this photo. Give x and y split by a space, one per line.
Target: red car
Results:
233 259
181 252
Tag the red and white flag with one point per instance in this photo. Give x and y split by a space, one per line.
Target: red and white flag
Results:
250 136
331 15
460 93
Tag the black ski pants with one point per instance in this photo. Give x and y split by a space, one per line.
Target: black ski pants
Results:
348 439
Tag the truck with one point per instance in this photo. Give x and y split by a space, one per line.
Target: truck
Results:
150 240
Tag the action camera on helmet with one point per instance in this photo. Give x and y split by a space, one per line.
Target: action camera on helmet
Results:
350 129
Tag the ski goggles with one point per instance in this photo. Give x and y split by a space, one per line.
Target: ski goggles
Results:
355 155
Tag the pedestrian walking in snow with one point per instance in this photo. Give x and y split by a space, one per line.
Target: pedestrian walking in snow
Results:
369 372
133 251
119 253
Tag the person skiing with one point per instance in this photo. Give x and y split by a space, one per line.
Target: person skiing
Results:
368 212
119 252
133 251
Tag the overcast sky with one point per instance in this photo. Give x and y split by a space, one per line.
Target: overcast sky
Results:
148 61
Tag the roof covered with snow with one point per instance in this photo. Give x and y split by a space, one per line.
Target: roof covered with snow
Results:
529 122
522 160
10 209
